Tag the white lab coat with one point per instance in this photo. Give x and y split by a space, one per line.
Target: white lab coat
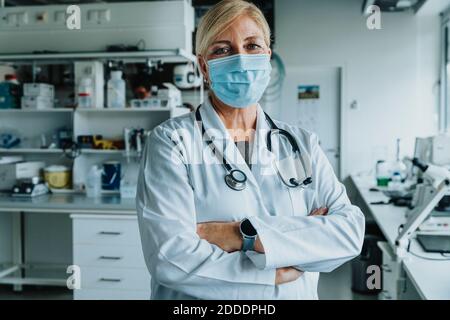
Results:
175 193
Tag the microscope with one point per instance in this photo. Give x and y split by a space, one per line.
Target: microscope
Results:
435 186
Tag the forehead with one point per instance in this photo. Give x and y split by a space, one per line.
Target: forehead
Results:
242 27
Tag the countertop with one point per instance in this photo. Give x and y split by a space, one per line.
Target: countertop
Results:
68 203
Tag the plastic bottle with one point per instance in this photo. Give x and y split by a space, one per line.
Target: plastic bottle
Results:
398 166
116 90
396 183
94 182
85 91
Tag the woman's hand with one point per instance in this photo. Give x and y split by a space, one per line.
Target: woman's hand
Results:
319 212
225 235
288 274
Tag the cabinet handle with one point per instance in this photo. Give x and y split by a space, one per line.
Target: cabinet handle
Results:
110 233
110 258
386 295
110 280
386 268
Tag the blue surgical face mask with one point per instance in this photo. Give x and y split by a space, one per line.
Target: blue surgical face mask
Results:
240 80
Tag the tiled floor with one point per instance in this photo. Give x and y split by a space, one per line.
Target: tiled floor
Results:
332 286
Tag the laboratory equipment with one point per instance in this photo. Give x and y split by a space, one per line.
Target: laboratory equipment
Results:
116 90
94 182
383 174
111 176
170 96
134 140
434 243
186 77
58 177
29 188
9 139
85 97
398 168
237 180
94 71
434 188
435 149
9 92
11 172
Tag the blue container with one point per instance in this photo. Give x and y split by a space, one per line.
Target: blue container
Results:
111 176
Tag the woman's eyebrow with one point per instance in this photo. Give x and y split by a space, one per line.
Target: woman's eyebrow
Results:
253 38
221 41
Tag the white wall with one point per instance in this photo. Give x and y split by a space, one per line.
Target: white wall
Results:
392 73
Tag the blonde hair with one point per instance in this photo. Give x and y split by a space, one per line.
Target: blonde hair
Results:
221 16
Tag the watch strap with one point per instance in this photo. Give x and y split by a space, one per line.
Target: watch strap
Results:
248 243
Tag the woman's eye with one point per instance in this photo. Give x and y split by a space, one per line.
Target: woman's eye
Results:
253 46
221 51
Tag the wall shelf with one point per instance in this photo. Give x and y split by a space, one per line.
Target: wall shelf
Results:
55 110
166 56
30 151
125 110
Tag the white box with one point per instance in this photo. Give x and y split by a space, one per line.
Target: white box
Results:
39 90
29 169
11 172
37 103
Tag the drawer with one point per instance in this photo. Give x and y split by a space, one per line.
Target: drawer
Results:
115 279
108 256
106 232
99 294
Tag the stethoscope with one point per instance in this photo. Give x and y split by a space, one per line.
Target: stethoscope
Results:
236 179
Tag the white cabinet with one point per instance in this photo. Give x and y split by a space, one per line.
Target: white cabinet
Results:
107 249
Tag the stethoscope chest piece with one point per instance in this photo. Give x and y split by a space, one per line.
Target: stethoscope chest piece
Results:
236 180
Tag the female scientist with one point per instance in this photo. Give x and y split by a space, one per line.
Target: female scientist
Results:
232 204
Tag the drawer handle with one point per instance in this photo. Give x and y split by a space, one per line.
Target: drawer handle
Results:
110 233
110 258
110 280
386 268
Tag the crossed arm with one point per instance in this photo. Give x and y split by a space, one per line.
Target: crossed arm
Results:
226 236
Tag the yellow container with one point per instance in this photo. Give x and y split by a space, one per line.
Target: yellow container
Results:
58 177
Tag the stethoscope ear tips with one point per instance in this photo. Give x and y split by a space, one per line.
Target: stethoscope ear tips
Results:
295 183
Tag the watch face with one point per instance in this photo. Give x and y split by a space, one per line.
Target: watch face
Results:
247 228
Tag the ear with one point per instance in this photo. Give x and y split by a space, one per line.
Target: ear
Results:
203 67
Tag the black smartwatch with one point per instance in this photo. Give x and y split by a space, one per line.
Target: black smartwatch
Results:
249 235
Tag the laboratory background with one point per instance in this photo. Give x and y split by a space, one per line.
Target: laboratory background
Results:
82 83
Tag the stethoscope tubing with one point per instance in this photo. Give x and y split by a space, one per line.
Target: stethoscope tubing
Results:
229 179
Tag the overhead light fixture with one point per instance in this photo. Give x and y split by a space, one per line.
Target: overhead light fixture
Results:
394 5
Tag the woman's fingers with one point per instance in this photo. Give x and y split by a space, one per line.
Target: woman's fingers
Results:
319 212
288 274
